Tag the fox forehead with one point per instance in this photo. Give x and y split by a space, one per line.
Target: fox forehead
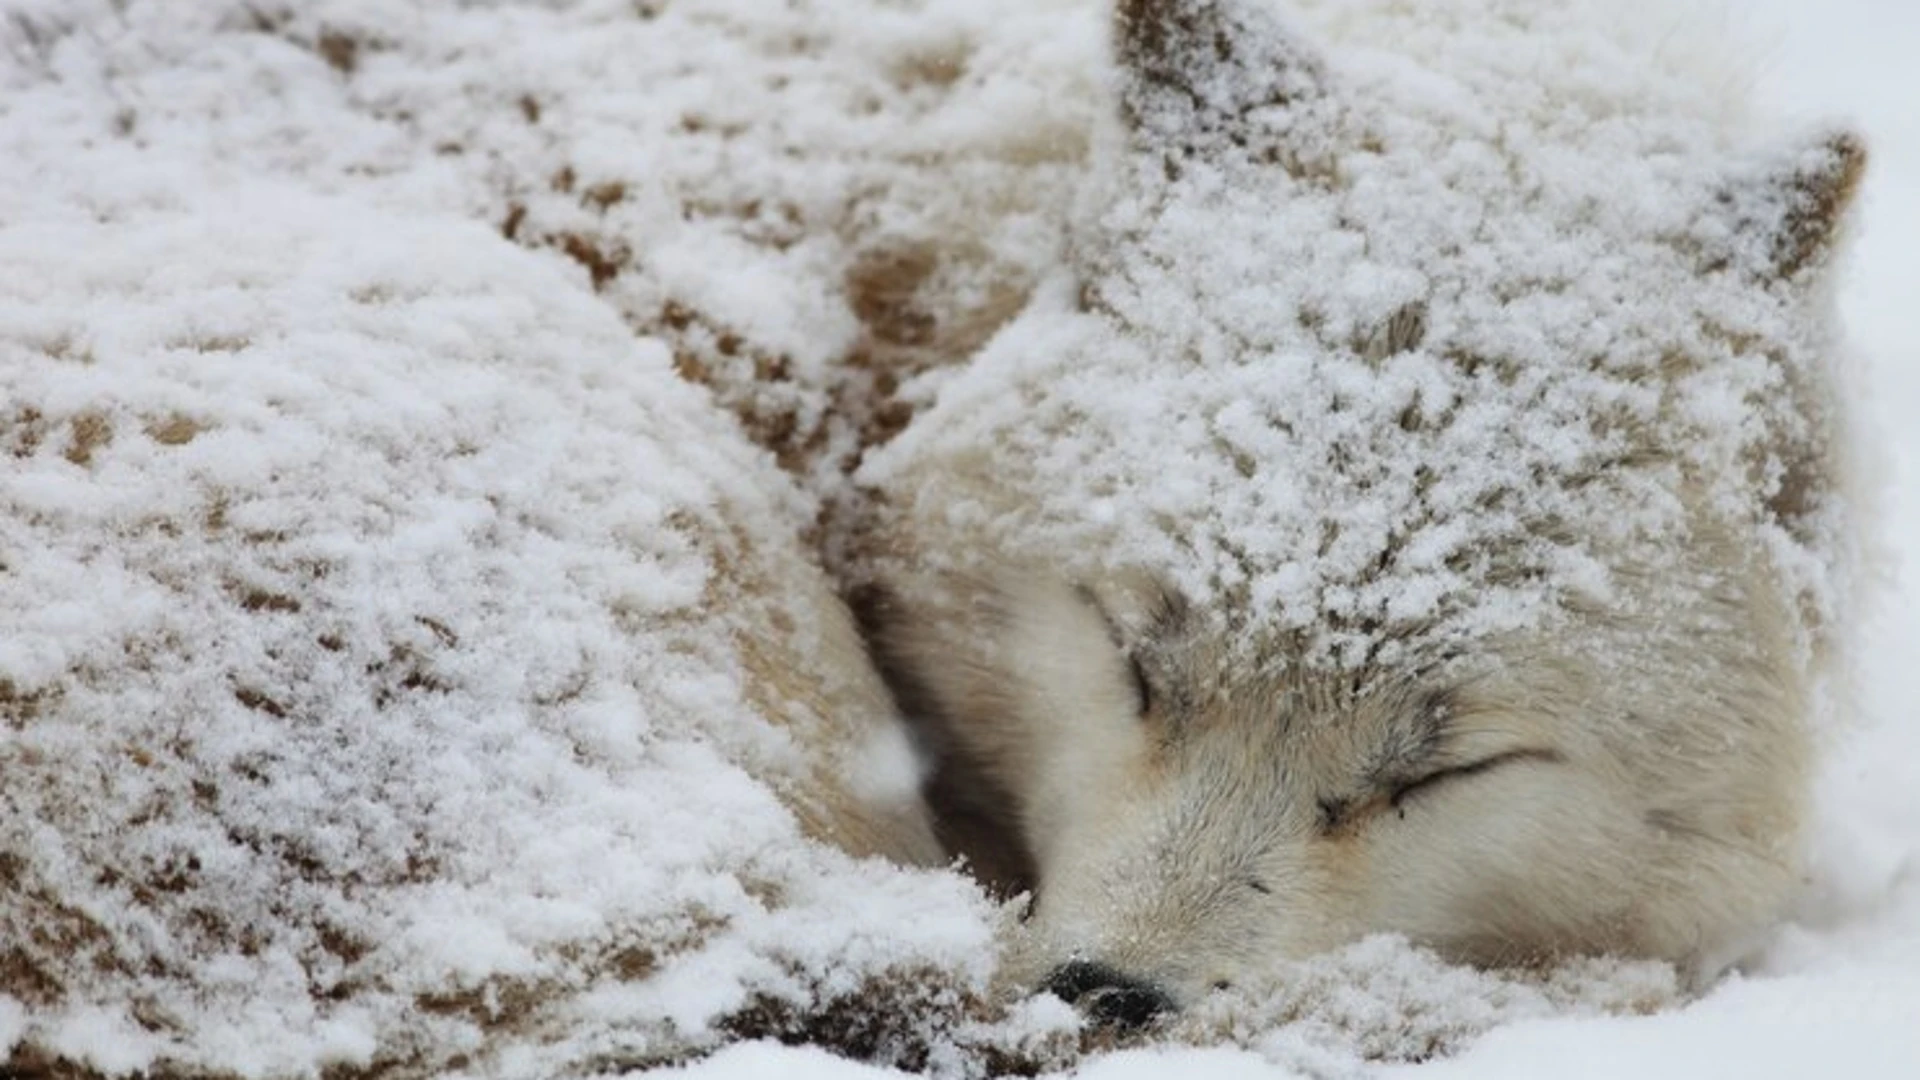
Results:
1380 725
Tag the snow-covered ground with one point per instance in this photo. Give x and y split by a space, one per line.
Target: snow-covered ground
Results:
281 160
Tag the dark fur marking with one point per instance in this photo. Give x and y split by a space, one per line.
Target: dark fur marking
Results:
1168 615
975 817
1142 687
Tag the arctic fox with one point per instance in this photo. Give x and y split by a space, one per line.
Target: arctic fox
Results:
1418 509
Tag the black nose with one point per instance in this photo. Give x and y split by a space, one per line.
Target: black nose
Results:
1109 997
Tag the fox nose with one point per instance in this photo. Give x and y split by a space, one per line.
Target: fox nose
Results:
1109 997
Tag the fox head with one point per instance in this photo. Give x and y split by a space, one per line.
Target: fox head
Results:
1441 561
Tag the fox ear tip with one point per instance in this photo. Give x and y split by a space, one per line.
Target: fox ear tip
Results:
1816 191
1850 147
1842 165
1196 73
1147 31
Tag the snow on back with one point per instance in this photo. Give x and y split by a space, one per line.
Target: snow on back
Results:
1412 341
369 684
807 202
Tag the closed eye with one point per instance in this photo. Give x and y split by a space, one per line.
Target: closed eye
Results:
1400 793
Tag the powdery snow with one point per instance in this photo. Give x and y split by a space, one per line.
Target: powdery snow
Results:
1477 326
359 702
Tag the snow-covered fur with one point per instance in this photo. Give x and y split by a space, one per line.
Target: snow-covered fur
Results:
1417 507
399 662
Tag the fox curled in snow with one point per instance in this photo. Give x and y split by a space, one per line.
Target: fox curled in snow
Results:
1417 507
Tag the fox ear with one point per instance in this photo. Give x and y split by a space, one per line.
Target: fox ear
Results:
1784 220
1212 80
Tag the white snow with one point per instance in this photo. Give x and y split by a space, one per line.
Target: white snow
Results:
327 736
